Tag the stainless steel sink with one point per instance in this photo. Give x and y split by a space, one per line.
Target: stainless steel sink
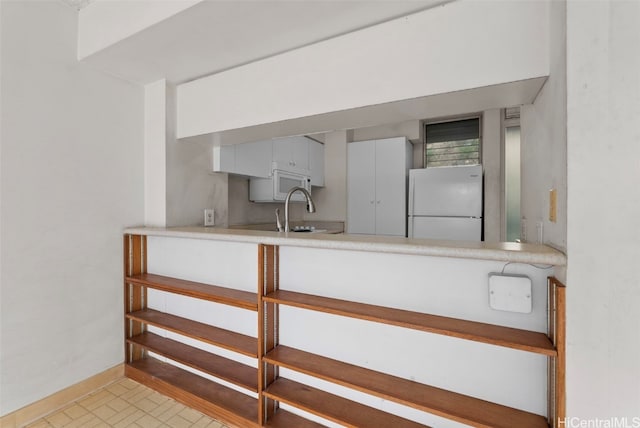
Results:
296 229
303 229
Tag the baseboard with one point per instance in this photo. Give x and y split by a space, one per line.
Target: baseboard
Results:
37 410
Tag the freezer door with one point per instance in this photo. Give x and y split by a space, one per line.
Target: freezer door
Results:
447 191
450 228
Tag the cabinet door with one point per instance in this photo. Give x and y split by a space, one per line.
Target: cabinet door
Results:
316 163
300 152
391 186
254 159
292 152
361 213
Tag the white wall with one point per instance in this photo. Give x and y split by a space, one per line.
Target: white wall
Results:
493 173
603 237
331 200
72 156
543 143
354 70
191 184
155 154
178 181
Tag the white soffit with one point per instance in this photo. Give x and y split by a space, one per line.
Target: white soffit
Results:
440 105
216 35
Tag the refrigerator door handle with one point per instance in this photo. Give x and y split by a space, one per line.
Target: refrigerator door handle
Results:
412 187
412 190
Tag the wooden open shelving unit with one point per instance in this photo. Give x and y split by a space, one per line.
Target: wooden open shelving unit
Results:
196 391
265 389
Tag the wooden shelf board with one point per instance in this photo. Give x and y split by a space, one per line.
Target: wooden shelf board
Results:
450 405
231 371
227 339
284 419
332 407
470 330
195 391
213 293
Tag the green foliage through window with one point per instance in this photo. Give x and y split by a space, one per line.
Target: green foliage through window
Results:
453 143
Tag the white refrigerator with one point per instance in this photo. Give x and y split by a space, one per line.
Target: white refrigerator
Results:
446 203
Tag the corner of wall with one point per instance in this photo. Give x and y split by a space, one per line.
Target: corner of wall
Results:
155 198
544 142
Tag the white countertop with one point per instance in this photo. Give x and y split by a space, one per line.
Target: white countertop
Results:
501 251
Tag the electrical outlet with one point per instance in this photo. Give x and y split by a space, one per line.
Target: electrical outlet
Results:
208 217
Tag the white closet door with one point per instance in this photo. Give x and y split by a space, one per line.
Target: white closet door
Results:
361 184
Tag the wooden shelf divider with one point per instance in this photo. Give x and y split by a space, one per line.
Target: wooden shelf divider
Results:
332 407
440 402
229 370
212 293
523 340
195 391
226 339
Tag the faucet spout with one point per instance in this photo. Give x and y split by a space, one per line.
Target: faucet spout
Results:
311 207
278 223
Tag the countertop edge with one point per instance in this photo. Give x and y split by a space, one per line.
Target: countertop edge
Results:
498 251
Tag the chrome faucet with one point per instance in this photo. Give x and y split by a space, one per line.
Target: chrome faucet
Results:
278 222
310 205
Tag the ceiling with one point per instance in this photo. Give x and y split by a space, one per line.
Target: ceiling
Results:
217 35
77 4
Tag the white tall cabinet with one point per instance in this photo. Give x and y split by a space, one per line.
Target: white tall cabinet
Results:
377 177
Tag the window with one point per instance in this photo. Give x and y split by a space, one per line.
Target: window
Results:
452 143
511 131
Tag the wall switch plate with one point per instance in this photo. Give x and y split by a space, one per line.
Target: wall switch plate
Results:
553 205
508 292
209 217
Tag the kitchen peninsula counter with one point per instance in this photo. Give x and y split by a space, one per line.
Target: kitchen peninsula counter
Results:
498 251
411 313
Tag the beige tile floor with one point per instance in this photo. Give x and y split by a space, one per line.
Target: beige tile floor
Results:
126 403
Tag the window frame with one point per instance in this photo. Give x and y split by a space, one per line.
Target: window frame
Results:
428 122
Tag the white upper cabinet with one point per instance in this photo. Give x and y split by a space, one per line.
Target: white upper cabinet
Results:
253 159
316 163
291 152
250 159
377 172
294 154
224 158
